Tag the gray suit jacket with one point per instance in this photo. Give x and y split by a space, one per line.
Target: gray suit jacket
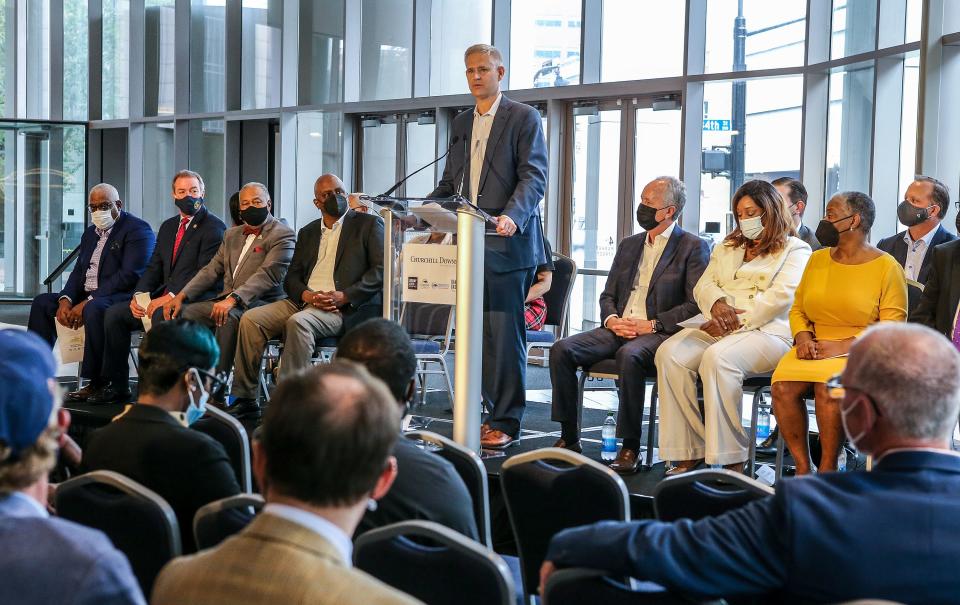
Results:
260 276
807 235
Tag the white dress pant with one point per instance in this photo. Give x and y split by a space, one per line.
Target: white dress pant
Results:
722 364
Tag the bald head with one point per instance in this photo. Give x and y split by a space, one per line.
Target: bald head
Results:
327 184
355 204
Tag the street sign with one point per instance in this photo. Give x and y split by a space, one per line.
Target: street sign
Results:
717 125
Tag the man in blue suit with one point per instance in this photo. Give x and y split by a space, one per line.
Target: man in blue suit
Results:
185 243
885 534
649 291
113 255
499 161
45 559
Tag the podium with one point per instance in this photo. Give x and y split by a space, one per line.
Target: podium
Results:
433 253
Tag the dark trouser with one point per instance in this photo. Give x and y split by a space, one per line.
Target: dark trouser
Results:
42 320
505 347
634 363
226 334
119 324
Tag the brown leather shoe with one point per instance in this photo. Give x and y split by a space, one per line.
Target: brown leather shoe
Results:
573 447
84 393
627 461
682 467
496 440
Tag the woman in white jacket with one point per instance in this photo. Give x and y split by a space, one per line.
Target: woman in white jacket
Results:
745 296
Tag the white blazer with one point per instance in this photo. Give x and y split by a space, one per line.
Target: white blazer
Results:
763 288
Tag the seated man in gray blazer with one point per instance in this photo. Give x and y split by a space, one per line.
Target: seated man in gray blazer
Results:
252 262
335 281
649 290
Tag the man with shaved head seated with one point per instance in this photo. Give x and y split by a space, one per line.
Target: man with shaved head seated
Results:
114 251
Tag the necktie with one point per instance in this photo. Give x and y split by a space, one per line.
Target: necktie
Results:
180 232
248 230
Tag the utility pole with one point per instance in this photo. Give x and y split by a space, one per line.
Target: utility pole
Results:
739 102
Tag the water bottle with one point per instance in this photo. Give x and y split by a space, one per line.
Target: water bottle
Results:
763 424
609 435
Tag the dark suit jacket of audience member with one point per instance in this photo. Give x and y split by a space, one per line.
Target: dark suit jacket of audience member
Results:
427 488
896 247
122 261
886 534
358 269
670 294
807 235
941 295
201 239
187 468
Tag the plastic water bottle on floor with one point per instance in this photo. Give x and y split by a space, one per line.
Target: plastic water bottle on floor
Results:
763 424
609 435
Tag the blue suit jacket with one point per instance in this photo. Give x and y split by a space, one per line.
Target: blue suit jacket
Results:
200 242
897 248
670 294
50 560
886 534
512 181
122 263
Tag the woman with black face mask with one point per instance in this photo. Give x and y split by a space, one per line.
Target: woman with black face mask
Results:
847 286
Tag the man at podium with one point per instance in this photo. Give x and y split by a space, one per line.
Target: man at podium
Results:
499 161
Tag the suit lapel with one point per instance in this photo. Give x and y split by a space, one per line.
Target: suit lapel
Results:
496 131
188 234
900 250
938 238
263 235
347 221
954 290
114 234
635 266
667 257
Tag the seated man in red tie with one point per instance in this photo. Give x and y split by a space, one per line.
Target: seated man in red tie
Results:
185 243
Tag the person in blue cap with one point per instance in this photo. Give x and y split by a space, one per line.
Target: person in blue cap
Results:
44 559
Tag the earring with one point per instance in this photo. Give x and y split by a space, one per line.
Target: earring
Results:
371 504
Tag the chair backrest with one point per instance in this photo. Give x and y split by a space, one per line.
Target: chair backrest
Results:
561 286
427 319
220 519
575 586
705 493
434 564
137 520
553 489
229 433
471 469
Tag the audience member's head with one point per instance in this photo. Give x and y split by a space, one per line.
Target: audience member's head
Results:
794 194
255 204
31 420
234 205
661 200
849 214
176 361
104 204
926 199
384 348
763 221
356 205
188 191
330 196
901 388
326 439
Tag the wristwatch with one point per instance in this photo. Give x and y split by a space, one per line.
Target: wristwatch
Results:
236 298
657 326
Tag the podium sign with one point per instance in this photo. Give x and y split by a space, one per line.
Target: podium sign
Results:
430 273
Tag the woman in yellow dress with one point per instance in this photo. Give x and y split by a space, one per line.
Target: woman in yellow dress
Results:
846 286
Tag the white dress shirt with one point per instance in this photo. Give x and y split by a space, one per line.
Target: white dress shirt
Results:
246 247
91 280
636 307
317 524
916 251
482 123
321 278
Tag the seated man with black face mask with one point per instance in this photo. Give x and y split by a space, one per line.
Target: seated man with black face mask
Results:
251 262
334 282
151 442
649 291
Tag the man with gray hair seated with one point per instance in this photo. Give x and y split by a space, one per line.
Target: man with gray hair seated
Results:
886 534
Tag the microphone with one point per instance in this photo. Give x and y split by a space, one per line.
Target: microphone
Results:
453 142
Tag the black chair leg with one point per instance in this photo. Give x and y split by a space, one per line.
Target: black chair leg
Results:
651 428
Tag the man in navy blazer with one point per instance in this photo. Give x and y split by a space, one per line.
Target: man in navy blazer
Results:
649 291
885 534
185 243
498 159
113 255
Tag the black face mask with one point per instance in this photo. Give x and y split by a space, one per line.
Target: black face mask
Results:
910 215
254 215
647 217
827 233
189 205
335 205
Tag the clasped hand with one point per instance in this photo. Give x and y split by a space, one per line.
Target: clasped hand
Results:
725 319
325 301
629 328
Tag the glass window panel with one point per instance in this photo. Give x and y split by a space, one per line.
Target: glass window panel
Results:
454 26
593 226
157 193
657 149
115 60
544 43
421 150
854 28
908 122
37 51
386 54
207 55
321 52
762 143
773 34
261 66
318 152
657 53
379 158
849 130
914 20
4 26
206 156
75 43
160 61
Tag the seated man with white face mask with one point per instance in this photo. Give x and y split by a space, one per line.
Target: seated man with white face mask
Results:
151 442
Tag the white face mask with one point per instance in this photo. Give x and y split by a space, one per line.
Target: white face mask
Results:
843 420
752 227
103 219
197 408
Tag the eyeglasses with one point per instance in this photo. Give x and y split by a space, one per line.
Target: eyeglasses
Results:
219 383
100 207
837 390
